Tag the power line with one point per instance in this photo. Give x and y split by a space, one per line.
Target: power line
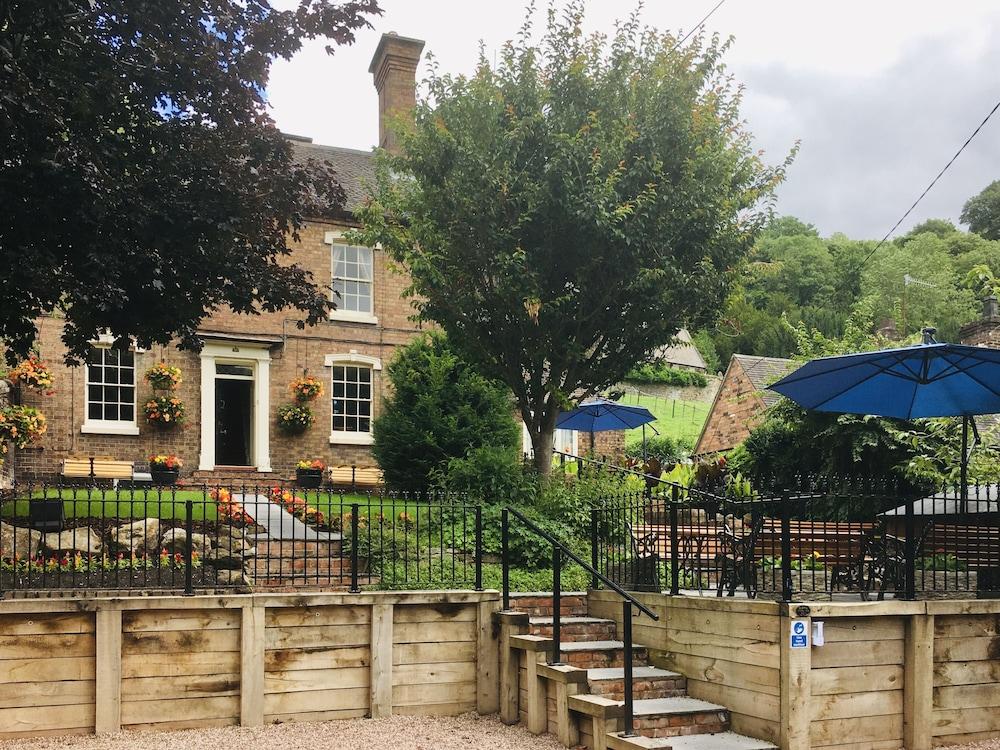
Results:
928 188
699 24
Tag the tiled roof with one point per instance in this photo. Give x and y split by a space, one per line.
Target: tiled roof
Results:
683 354
763 371
355 169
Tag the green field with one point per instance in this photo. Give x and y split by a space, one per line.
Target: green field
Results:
677 419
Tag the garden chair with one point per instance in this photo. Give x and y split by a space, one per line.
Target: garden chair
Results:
736 559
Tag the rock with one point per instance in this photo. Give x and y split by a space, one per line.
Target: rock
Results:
20 541
235 578
233 547
138 536
84 540
175 539
221 559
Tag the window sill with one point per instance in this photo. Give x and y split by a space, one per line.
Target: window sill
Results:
350 438
349 316
96 428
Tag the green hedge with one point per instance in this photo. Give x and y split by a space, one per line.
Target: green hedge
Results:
666 375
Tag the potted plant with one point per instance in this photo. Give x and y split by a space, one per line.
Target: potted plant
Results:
165 411
294 418
164 469
309 474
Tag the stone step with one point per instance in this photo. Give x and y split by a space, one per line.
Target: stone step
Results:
539 603
720 741
647 682
575 628
673 717
601 654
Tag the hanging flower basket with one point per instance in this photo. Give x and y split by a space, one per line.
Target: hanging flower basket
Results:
165 411
294 419
163 377
33 374
306 388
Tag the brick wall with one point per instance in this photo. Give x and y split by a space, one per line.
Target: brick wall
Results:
300 351
734 413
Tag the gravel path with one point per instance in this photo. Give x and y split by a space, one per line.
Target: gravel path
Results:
984 745
396 732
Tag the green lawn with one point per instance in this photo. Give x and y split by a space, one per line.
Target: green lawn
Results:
170 503
677 419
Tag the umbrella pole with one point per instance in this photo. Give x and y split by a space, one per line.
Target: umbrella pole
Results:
965 461
644 443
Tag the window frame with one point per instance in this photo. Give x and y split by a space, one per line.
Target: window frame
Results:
333 239
110 426
353 359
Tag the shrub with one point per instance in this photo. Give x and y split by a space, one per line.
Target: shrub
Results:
661 373
440 409
489 475
663 448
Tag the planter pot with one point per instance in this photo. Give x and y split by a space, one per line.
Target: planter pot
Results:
46 515
807 585
941 584
309 479
163 477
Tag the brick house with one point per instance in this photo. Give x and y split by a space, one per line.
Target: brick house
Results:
234 386
740 402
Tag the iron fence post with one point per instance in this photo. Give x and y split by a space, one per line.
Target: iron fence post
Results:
188 544
786 549
479 548
594 537
909 553
504 564
556 656
629 730
355 588
675 573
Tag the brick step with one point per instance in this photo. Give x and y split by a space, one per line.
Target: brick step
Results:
576 628
232 477
720 741
674 717
539 603
647 682
601 654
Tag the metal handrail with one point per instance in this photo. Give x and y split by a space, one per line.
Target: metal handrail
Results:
628 601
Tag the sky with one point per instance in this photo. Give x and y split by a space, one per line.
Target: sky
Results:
880 95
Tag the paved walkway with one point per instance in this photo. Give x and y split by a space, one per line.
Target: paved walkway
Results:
280 524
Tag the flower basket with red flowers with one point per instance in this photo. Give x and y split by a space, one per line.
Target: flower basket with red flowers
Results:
309 474
165 411
164 469
32 373
306 388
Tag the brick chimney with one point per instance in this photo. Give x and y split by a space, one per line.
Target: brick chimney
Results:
986 330
394 68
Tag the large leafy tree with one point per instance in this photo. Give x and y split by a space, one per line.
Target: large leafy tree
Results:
563 213
143 182
982 212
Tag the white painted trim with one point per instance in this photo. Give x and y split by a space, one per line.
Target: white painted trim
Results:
259 355
352 357
351 438
109 428
350 316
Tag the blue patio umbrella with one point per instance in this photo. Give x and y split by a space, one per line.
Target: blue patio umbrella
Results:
603 415
927 380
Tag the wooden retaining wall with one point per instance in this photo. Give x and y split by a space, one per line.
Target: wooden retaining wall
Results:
80 666
891 674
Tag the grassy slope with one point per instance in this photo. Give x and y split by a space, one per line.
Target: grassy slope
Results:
678 420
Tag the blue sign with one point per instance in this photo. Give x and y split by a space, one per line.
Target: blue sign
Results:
799 634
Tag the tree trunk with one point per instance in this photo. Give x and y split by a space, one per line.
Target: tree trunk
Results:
541 443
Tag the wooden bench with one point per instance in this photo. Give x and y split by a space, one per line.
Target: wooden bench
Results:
95 467
355 476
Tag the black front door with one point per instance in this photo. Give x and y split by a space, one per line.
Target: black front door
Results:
233 421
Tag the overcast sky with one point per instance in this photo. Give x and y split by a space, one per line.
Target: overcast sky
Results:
880 94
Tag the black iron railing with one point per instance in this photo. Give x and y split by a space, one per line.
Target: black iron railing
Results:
628 602
813 539
64 538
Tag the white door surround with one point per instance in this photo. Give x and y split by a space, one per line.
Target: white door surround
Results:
258 356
